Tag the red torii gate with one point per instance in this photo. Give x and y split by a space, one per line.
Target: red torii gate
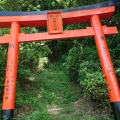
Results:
54 20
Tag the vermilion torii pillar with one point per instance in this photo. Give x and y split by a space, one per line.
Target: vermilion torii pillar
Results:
55 20
11 72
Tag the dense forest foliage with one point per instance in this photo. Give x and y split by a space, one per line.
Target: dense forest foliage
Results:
78 57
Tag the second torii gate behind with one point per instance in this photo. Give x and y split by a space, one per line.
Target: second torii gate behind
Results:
55 20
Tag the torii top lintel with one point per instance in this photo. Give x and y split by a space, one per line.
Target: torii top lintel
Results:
105 10
68 17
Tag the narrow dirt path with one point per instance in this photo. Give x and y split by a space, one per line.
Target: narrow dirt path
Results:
54 97
69 102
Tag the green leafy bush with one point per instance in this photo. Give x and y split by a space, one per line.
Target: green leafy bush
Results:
83 67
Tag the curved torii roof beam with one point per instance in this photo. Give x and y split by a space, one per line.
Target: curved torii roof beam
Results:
70 15
87 7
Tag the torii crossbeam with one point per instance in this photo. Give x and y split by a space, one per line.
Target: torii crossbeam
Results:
55 20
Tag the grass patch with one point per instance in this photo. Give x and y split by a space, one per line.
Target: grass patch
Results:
51 96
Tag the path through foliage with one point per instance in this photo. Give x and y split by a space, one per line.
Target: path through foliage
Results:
49 95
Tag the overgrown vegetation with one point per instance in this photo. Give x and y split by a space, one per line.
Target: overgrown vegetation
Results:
49 95
43 86
83 67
